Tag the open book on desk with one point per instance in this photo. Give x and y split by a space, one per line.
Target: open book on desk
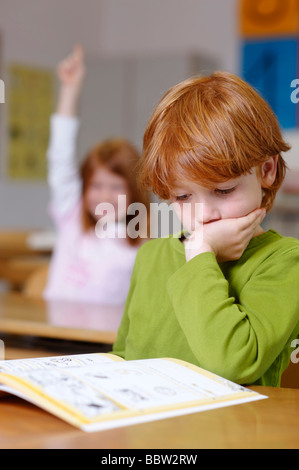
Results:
101 391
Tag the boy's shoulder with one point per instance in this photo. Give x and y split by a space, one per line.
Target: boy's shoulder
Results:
272 246
154 244
157 246
282 241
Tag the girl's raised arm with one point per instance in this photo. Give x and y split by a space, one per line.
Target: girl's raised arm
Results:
71 73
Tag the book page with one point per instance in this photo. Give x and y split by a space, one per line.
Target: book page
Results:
120 392
76 360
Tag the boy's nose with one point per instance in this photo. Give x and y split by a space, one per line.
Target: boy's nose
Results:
210 213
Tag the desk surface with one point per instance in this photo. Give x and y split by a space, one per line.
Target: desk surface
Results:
60 320
270 423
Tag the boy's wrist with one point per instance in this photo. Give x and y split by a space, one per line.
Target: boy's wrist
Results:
192 251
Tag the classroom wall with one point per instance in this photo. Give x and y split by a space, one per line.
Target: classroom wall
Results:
207 27
40 33
37 33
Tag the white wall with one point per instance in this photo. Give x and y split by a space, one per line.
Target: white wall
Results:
208 28
143 27
41 32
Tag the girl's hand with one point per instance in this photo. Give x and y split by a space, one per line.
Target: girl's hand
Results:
226 238
71 70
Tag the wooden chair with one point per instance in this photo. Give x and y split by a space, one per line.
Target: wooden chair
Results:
36 282
290 377
21 254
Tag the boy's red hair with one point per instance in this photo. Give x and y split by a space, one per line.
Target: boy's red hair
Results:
209 130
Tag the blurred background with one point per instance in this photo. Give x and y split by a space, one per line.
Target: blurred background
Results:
135 50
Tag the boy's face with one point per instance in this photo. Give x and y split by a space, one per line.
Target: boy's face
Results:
235 198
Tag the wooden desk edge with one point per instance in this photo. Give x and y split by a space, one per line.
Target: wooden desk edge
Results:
59 332
59 434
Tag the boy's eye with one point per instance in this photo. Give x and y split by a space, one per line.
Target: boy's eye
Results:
222 192
183 197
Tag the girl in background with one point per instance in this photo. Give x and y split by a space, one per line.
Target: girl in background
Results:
84 266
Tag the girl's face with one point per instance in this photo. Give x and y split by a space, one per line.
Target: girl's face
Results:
106 187
234 198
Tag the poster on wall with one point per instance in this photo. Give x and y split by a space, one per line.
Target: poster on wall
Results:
269 32
270 66
30 104
269 18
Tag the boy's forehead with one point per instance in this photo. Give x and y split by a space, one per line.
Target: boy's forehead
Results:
189 183
185 185
182 183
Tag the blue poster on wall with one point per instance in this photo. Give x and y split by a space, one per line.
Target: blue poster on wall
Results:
270 66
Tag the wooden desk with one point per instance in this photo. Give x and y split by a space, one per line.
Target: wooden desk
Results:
270 423
61 320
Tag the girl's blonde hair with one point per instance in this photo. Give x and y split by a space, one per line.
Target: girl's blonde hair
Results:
120 157
209 130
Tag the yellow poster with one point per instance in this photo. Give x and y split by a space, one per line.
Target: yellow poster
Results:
269 17
30 102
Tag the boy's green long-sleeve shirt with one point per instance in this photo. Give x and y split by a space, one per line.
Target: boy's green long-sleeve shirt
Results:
236 319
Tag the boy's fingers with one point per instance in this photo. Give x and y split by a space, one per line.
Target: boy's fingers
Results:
252 218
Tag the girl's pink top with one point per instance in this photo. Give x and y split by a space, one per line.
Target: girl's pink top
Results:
83 267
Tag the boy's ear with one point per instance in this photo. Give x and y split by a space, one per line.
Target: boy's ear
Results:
268 172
